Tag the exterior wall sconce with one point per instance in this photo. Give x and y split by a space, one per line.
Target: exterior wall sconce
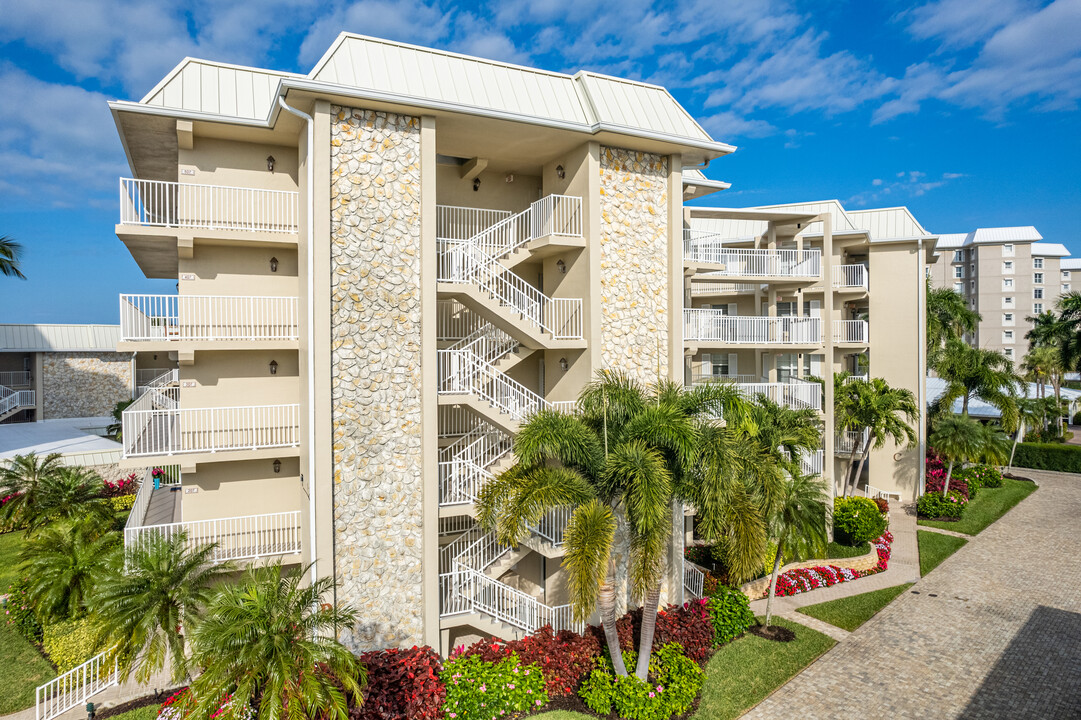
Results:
560 172
277 466
273 367
563 364
270 163
273 264
562 266
476 184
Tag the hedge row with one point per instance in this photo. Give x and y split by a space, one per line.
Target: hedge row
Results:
1049 456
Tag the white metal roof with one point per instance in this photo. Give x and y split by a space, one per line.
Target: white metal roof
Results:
1070 264
59 338
951 241
1042 249
893 222
841 221
1020 234
218 89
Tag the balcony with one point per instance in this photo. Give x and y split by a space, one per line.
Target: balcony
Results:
850 332
796 394
713 328
749 263
208 321
156 425
16 379
849 440
850 277
245 537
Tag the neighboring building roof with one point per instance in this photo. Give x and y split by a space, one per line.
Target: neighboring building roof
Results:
59 338
1042 249
1070 264
892 222
694 176
979 409
991 236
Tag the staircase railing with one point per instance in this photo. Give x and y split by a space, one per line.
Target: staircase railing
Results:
461 372
77 685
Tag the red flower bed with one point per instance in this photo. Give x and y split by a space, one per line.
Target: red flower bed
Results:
402 685
689 625
124 486
800 580
564 657
936 477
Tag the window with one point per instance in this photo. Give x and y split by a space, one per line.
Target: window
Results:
958 271
1037 308
959 288
1065 274
1065 287
1037 278
1007 336
972 270
1007 302
1007 318
1037 263
958 256
1007 283
1037 293
1007 267
1008 352
1007 250
972 286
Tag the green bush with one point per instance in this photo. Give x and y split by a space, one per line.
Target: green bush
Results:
122 503
730 612
69 643
674 682
856 520
1076 419
1049 456
933 505
979 476
19 611
480 689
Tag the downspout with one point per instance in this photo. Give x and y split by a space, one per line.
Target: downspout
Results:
310 253
921 345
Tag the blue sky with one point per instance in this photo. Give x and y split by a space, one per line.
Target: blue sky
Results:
964 110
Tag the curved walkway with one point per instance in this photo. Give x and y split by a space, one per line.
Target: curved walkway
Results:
993 632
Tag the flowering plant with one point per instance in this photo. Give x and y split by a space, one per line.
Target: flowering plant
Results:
564 657
124 486
673 683
490 690
801 580
174 708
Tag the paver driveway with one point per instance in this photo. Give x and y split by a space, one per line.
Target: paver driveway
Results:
994 631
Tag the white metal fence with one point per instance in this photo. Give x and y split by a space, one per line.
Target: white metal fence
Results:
455 321
750 262
207 317
19 378
159 380
702 378
159 203
812 463
152 430
850 276
796 394
461 223
170 476
848 440
708 325
77 686
461 372
12 400
694 580
236 538
850 331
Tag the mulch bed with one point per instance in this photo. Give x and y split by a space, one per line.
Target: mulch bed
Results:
775 633
156 699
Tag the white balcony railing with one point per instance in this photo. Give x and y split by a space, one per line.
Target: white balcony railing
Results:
466 590
155 425
796 394
77 686
170 477
848 440
850 276
753 262
17 379
850 331
702 325
157 203
236 538
207 317
693 579
812 463
461 223
716 288
700 378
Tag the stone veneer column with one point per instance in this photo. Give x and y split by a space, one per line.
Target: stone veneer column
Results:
83 384
376 404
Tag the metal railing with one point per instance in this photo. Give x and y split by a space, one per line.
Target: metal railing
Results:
461 223
18 378
707 325
465 590
694 580
454 321
701 378
850 276
716 288
163 379
207 317
461 372
77 686
848 440
460 482
157 203
751 262
812 463
236 538
850 331
170 476
797 394
12 400
553 526
151 428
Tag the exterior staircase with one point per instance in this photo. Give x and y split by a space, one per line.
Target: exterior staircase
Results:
14 401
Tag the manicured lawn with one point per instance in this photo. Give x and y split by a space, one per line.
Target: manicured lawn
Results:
10 545
743 672
990 504
851 612
22 669
147 713
934 548
836 551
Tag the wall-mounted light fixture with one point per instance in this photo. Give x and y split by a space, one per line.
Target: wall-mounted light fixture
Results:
273 367
510 177
277 466
563 364
561 266
273 264
270 163
476 184
560 172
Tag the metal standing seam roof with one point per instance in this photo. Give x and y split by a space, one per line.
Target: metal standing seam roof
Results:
1042 249
1070 264
408 73
893 222
59 338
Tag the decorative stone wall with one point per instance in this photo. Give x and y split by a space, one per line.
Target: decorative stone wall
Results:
84 384
376 380
756 589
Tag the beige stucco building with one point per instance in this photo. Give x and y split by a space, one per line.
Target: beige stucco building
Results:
1007 275
387 264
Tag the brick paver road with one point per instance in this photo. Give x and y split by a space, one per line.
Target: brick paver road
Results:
994 631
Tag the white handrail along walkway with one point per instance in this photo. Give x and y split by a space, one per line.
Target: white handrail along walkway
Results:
77 686
158 203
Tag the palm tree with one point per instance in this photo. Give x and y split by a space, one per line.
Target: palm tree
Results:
271 643
959 439
1045 357
976 372
784 432
625 459
21 480
71 493
994 445
798 525
948 318
1028 412
63 563
873 408
10 257
159 586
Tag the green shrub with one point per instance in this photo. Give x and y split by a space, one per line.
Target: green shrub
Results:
933 505
1049 456
978 476
674 682
69 643
856 520
730 613
19 612
480 689
1076 418
122 503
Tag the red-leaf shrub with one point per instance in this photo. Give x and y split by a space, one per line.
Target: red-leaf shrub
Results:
402 685
124 486
937 481
564 657
883 505
689 625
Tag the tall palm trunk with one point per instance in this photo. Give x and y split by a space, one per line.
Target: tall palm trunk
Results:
649 627
859 470
1058 405
949 472
964 404
773 585
1016 439
848 475
606 602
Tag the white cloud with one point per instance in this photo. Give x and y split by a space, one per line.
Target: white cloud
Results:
962 23
909 184
727 126
413 21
